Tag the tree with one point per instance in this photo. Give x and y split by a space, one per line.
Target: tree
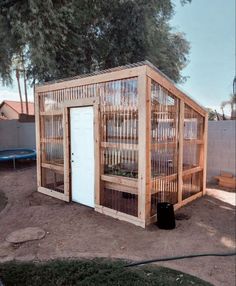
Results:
18 66
62 38
25 83
232 103
19 89
212 115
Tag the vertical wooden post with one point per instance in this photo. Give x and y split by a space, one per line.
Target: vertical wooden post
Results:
180 157
144 147
204 154
66 154
38 136
148 151
102 137
97 152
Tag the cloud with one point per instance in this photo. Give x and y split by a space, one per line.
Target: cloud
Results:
10 94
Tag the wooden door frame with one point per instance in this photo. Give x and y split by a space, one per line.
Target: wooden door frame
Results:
83 102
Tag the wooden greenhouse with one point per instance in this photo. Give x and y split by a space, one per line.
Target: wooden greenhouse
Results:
120 141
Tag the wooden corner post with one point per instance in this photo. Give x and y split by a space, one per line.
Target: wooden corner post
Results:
181 146
203 160
37 135
144 147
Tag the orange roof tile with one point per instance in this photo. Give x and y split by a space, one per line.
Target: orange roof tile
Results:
17 106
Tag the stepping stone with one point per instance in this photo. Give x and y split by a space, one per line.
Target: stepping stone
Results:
25 234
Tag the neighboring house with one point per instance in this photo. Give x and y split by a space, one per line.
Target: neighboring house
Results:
12 109
2 117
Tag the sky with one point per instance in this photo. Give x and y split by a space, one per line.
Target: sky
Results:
209 26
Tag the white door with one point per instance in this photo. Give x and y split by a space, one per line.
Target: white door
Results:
82 155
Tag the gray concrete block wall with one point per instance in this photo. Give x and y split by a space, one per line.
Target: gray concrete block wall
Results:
221 142
221 148
15 134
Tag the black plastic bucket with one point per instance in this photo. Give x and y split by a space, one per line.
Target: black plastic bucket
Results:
165 216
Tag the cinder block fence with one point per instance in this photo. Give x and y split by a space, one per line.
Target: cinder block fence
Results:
221 154
15 134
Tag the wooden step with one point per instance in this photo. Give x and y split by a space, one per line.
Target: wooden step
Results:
226 174
227 182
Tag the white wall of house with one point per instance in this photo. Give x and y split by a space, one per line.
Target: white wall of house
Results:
8 112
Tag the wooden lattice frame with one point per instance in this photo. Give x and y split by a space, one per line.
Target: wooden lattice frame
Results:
145 73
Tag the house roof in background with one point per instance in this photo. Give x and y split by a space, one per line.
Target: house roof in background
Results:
15 105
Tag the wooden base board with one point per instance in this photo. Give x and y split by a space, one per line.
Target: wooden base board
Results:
116 214
188 200
53 194
151 220
120 215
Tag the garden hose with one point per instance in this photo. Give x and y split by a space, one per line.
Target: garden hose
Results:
178 258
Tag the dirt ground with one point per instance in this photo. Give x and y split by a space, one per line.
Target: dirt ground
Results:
73 230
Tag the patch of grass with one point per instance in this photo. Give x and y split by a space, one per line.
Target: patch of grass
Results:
91 272
3 201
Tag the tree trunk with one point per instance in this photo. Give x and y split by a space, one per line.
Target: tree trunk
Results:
25 85
232 117
217 116
19 89
26 94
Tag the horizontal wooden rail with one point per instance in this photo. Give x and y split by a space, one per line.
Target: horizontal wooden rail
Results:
192 171
53 194
59 169
162 145
52 140
122 137
130 182
119 146
119 215
53 162
121 188
105 77
51 112
193 141
171 177
123 110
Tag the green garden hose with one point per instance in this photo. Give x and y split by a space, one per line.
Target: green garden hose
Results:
178 258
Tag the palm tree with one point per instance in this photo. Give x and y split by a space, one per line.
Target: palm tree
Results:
19 67
212 115
25 82
232 103
19 88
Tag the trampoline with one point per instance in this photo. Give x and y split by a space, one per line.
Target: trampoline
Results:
17 154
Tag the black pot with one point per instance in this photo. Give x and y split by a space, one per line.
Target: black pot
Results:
165 216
